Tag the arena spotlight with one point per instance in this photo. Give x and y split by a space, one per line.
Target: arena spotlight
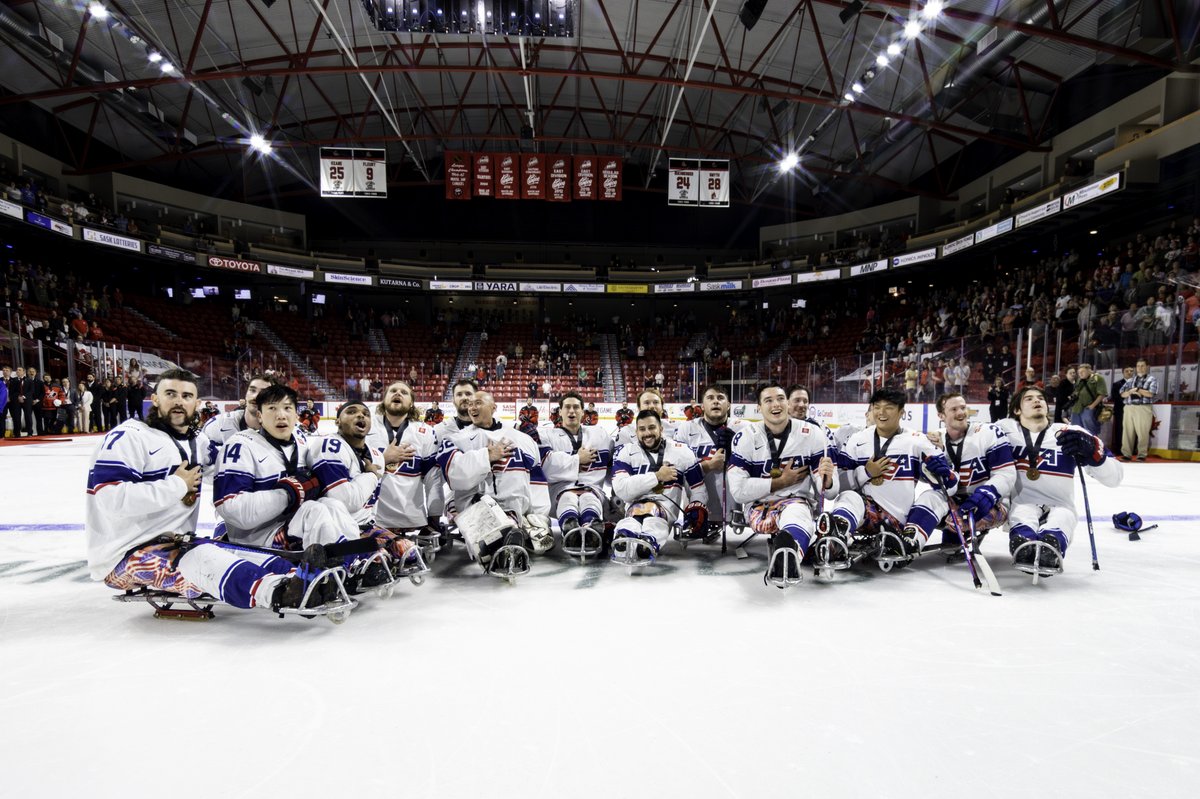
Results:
260 144
154 56
789 162
932 9
881 60
912 29
98 11
851 11
893 49
167 68
857 88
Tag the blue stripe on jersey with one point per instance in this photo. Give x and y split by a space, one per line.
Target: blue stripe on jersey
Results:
109 472
330 471
231 481
622 466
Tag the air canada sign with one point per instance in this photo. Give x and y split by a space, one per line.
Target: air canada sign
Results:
234 264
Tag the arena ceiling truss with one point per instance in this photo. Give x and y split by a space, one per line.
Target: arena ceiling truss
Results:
184 84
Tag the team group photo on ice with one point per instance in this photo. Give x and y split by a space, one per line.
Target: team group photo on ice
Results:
311 524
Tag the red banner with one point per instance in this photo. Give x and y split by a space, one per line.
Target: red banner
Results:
458 176
483 174
534 171
585 177
610 178
508 184
560 179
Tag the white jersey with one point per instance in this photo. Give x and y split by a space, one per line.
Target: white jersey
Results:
247 498
702 438
843 433
415 492
517 485
752 460
450 428
560 461
627 435
133 493
634 474
338 468
1055 486
983 456
906 449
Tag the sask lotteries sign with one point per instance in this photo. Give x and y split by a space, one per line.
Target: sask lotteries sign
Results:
697 182
353 172
111 240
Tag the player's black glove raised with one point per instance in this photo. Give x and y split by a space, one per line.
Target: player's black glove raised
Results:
1081 445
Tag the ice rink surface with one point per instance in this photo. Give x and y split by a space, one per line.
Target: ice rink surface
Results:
691 680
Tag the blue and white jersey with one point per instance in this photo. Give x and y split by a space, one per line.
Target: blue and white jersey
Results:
560 461
336 466
415 492
518 484
1055 486
985 457
907 450
634 473
628 434
221 427
698 436
246 493
133 495
751 462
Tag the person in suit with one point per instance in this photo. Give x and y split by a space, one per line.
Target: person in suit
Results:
33 391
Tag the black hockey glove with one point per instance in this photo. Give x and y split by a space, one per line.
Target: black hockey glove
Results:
1085 448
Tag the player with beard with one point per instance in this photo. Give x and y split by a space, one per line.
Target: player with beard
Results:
464 392
883 463
981 455
222 426
653 477
350 472
501 467
648 400
781 468
142 509
1042 515
709 435
576 461
412 491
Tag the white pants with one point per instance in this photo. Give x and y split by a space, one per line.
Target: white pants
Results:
575 503
1059 520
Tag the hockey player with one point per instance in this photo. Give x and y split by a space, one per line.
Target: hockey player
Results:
649 400
502 464
983 459
779 467
624 415
527 419
434 415
221 427
349 471
464 390
143 487
576 462
653 477
709 436
263 482
591 416
412 492
1042 516
884 462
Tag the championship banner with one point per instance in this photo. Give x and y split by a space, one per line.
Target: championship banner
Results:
508 183
585 177
370 173
533 169
714 184
483 175
610 178
337 172
458 176
560 179
683 182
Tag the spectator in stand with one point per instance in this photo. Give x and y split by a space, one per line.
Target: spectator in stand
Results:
583 376
911 376
501 365
16 400
412 376
33 390
1065 396
1116 397
998 399
1030 379
962 376
1090 392
135 395
69 410
121 401
364 387
52 401
1005 363
83 413
95 333
1139 396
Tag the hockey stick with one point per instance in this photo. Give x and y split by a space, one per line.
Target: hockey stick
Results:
1087 510
355 546
981 562
962 539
